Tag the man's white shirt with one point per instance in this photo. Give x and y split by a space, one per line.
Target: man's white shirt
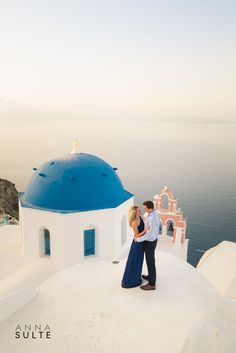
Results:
153 221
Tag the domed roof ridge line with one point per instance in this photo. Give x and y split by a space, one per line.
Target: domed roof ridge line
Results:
75 182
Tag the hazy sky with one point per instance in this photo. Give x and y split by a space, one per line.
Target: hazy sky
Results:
167 68
106 58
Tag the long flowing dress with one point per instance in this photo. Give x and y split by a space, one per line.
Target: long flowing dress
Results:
134 264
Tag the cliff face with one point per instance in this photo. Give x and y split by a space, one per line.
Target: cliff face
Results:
8 198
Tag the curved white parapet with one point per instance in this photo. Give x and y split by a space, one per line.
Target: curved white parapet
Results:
19 288
218 265
14 301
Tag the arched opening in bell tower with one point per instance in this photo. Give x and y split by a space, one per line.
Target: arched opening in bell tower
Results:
170 227
164 202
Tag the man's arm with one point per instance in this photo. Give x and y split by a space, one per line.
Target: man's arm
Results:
154 223
145 236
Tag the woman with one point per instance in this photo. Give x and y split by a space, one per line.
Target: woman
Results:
134 264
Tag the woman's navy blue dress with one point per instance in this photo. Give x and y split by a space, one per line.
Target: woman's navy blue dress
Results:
134 264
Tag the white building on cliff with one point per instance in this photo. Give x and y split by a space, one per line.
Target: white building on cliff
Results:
74 208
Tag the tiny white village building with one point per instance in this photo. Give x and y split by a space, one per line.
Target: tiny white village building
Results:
74 209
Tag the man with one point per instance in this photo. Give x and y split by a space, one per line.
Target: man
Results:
150 243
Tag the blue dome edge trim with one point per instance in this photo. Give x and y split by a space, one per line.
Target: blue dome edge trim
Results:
28 205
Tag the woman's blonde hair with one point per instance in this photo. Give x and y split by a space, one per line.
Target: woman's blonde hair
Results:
132 214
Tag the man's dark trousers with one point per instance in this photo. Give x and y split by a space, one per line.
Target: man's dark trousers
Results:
149 249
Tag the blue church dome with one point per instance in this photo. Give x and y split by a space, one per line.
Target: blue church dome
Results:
74 183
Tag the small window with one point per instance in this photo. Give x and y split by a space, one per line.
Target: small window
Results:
47 249
89 242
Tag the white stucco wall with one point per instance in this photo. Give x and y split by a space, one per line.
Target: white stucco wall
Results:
67 234
32 221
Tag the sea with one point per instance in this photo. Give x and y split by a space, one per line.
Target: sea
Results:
194 157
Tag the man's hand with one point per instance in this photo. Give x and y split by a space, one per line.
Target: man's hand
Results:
135 238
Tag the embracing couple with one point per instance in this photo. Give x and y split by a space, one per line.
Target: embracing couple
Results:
145 241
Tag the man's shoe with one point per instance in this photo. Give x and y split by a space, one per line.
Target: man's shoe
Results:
145 277
148 287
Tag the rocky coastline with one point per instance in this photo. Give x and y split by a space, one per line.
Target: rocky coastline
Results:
8 198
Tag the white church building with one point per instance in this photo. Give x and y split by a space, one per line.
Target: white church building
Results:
74 209
57 267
